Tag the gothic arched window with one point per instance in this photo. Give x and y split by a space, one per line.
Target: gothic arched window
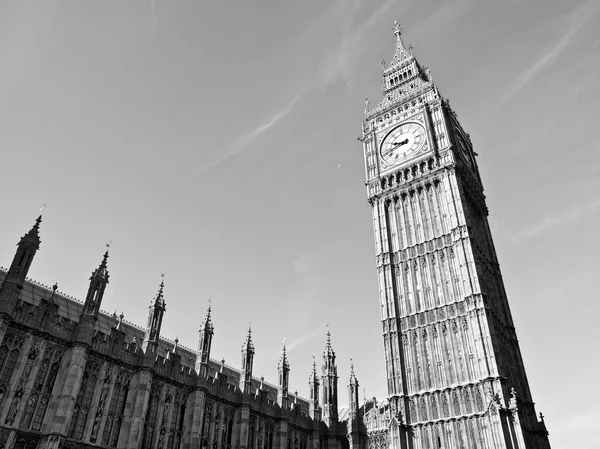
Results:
84 399
151 416
116 410
9 354
456 403
42 389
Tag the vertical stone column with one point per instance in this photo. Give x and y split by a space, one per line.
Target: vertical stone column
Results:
132 429
244 426
60 409
315 437
194 417
4 323
105 394
93 416
24 363
281 433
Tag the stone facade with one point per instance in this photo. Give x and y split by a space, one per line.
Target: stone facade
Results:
72 376
454 369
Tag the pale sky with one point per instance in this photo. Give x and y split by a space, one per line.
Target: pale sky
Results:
215 141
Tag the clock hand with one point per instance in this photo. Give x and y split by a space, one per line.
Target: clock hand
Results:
404 142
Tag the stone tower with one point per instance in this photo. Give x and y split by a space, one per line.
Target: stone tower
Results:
204 345
156 311
454 370
329 380
10 289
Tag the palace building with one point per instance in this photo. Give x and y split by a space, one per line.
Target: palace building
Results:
73 376
455 374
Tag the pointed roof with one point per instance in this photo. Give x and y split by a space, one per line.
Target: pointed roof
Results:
314 375
159 300
207 325
329 352
283 362
402 53
248 346
33 235
352 380
101 271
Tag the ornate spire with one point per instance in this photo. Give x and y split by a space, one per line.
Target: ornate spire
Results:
33 236
247 362
207 321
401 52
313 385
206 333
156 312
102 271
98 282
329 380
328 353
314 374
248 345
283 362
283 370
352 375
159 300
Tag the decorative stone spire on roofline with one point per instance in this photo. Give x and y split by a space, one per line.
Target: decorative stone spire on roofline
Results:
156 311
205 336
95 293
247 362
329 379
283 371
17 273
313 386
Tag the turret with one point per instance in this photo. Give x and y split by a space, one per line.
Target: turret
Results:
329 378
156 311
353 392
283 369
356 430
313 385
15 277
95 293
247 362
204 344
93 300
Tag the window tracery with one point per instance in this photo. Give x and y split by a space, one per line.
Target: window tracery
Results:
116 410
150 426
37 403
84 399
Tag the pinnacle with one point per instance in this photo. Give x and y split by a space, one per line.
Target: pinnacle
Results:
402 53
33 234
102 270
159 301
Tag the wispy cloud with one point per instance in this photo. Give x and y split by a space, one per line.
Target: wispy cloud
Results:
332 65
303 339
577 20
559 220
241 143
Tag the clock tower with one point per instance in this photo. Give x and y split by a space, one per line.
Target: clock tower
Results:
454 370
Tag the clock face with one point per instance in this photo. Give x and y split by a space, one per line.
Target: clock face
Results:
404 141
